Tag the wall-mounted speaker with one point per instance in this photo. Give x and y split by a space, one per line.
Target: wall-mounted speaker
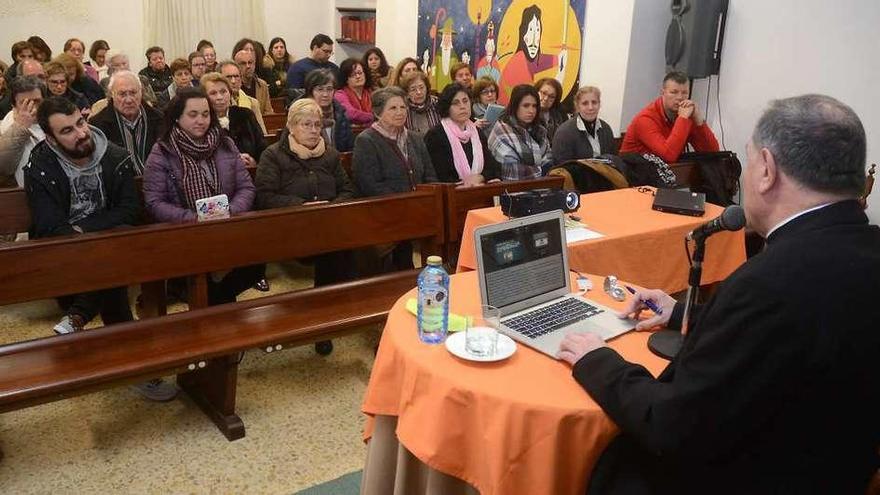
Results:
694 37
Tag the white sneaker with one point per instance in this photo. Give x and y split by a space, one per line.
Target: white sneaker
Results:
64 326
156 390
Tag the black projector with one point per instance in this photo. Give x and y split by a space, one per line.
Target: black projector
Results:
523 204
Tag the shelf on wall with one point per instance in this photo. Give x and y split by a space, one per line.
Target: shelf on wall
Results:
356 10
349 41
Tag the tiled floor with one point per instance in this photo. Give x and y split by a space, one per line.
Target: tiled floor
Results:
301 412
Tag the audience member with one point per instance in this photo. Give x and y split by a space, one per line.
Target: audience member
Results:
519 141
128 122
669 123
485 93
457 147
197 66
181 77
207 50
552 115
19 130
744 407
337 128
157 72
403 69
281 61
41 50
232 72
265 71
301 170
375 62
354 92
77 182
117 61
252 85
462 74
239 123
389 159
58 84
321 49
98 55
585 135
78 80
21 51
26 68
195 160
77 49
422 115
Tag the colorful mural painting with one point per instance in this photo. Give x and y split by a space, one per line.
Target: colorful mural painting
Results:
511 41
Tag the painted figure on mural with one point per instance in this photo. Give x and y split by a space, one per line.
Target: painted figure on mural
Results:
488 65
445 58
528 64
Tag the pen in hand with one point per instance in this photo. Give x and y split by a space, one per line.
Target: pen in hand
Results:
650 304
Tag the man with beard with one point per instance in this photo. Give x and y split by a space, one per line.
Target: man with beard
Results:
77 182
528 64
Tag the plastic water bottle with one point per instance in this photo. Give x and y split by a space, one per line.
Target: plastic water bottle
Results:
433 313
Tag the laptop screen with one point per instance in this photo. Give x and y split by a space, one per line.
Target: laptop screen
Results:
523 262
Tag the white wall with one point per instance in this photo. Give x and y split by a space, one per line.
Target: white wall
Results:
118 22
298 21
647 59
396 28
789 47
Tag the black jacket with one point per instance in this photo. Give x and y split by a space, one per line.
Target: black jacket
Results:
441 156
776 388
106 121
571 143
246 132
48 193
159 80
89 88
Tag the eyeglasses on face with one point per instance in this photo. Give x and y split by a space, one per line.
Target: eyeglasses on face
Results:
127 94
314 126
420 88
488 91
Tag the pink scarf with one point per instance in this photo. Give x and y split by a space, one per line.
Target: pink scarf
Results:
456 137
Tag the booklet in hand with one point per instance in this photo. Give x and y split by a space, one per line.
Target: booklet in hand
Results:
493 111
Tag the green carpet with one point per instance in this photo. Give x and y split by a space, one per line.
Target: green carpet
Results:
343 485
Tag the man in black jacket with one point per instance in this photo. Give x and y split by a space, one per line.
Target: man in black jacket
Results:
776 388
77 182
127 122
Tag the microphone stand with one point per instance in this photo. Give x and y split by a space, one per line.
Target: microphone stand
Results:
667 343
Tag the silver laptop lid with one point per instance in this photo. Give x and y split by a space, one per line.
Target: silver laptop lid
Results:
523 262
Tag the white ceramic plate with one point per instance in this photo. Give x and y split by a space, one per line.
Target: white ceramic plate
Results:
455 345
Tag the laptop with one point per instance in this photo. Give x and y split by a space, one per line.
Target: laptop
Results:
522 267
680 202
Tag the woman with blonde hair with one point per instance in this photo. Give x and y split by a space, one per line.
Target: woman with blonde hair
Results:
301 170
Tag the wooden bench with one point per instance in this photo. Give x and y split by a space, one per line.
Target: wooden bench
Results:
202 345
278 105
458 201
274 122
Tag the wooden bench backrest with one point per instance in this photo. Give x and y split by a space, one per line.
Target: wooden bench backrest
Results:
460 200
274 122
278 104
345 161
65 265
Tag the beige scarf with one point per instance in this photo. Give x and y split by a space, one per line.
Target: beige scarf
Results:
305 153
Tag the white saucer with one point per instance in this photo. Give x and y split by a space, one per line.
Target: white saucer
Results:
455 345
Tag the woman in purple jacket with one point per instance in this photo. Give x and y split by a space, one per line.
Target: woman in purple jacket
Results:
194 160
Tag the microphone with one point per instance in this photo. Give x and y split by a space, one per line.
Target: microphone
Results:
732 218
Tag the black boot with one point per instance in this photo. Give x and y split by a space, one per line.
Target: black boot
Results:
324 347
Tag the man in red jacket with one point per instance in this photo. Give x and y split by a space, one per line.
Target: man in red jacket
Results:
669 123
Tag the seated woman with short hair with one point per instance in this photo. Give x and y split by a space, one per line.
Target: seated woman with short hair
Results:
194 160
319 86
519 141
389 159
239 123
354 91
584 135
457 147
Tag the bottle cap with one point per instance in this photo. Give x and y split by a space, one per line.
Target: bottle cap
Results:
435 260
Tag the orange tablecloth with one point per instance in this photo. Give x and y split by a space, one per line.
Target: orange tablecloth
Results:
519 426
640 245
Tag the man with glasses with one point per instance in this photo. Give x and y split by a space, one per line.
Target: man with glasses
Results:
322 48
127 122
197 66
252 85
233 71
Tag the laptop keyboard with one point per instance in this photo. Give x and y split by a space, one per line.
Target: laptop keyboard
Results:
557 315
